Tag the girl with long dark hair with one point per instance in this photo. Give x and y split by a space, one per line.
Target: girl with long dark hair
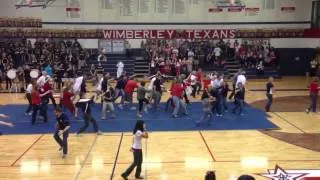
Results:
139 132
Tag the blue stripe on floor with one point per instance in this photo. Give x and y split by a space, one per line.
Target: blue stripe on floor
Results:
254 119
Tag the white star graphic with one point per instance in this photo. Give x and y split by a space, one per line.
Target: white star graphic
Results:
281 174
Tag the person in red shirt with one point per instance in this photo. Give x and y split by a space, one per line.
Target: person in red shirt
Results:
129 88
48 86
177 92
67 99
37 105
314 91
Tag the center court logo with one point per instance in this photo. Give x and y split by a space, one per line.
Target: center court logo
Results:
281 174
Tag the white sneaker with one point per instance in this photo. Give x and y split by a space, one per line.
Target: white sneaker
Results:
139 115
120 106
133 108
99 133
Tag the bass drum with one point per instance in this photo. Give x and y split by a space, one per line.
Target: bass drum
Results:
12 74
34 73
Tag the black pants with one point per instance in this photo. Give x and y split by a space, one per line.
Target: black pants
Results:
194 90
43 112
169 103
141 101
233 91
28 96
52 100
62 142
269 102
8 83
313 104
87 119
137 161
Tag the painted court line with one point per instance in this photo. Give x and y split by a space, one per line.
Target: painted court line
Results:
116 159
289 122
205 142
27 150
86 158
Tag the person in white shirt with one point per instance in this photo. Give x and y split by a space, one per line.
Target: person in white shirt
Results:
139 132
42 79
28 96
120 67
193 82
217 53
241 79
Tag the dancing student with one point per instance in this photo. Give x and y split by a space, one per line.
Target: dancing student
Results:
9 124
38 103
48 86
207 113
314 91
141 97
199 75
177 92
224 91
193 82
169 102
269 94
129 88
216 92
28 97
234 81
119 89
62 129
86 109
79 87
67 99
107 104
239 99
139 132
157 91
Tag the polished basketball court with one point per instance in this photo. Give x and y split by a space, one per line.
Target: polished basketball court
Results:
177 155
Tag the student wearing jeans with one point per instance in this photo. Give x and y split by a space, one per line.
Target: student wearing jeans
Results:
107 103
62 129
239 99
207 113
139 132
177 92
141 93
269 94
314 91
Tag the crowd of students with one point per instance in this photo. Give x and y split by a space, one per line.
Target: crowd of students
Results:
175 57
61 59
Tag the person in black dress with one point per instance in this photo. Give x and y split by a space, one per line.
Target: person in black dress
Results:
269 94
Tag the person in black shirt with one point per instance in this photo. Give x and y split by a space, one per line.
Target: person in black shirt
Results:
157 91
269 93
62 128
107 103
119 89
239 99
224 91
85 107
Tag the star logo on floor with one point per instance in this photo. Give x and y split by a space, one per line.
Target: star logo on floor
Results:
280 174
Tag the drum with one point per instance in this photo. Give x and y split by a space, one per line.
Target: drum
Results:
34 73
12 74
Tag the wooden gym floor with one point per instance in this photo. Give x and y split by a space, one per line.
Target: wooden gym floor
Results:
174 155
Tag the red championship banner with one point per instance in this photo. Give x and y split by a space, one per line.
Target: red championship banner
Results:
170 34
215 10
288 9
252 11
